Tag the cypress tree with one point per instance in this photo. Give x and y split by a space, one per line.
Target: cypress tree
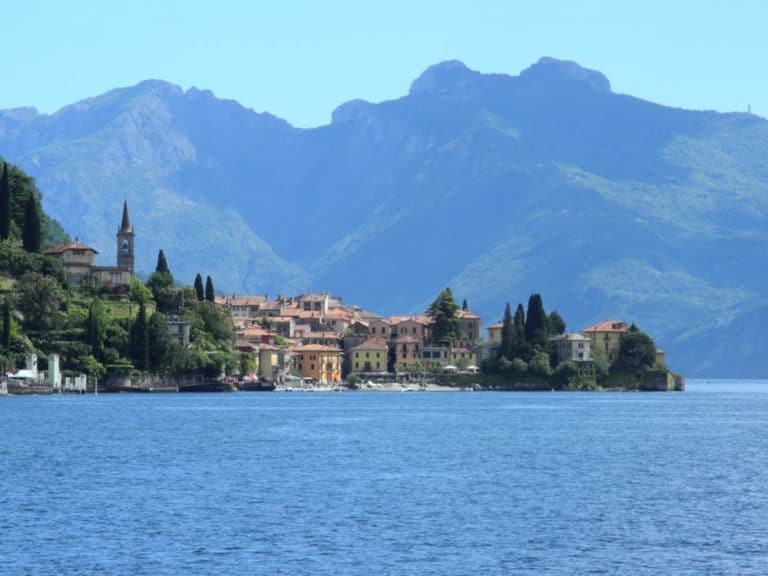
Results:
209 294
520 322
162 264
536 321
6 336
464 306
140 339
508 335
199 287
5 204
30 236
96 329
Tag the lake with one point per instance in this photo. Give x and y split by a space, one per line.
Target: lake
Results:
387 483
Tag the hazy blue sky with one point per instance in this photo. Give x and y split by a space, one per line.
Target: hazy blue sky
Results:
299 60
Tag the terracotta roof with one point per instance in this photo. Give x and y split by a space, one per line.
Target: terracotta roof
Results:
466 314
61 248
374 343
497 325
608 326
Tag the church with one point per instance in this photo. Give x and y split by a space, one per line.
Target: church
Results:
79 260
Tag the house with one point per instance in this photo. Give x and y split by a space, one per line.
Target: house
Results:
324 338
470 326
406 351
571 347
380 327
606 338
179 329
241 306
494 333
413 326
370 356
320 363
338 319
79 260
441 355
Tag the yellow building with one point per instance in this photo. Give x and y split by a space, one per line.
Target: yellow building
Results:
407 351
321 363
370 356
606 338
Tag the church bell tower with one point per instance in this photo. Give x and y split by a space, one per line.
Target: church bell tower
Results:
125 242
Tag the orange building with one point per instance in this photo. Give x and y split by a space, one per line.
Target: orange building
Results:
321 363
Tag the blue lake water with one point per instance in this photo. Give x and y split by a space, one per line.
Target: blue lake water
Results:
387 483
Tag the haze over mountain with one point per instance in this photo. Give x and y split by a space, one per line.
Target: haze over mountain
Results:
494 185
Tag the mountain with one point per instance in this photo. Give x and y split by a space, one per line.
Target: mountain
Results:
494 185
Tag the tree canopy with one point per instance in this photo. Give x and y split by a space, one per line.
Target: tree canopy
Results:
443 312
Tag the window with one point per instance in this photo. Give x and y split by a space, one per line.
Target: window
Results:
311 366
366 354
357 365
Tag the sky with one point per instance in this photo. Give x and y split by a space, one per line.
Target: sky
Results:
299 60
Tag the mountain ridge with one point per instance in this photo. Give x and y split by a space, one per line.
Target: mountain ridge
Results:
471 180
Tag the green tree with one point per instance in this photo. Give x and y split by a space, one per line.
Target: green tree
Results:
464 305
6 335
161 344
96 328
5 204
555 323
199 292
443 311
31 233
162 263
540 364
508 335
637 349
247 364
210 296
140 339
536 322
139 292
39 300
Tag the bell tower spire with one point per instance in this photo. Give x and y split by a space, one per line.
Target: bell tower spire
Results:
125 237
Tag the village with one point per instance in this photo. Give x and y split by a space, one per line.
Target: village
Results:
314 341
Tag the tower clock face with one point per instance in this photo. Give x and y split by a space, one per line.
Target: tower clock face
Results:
125 247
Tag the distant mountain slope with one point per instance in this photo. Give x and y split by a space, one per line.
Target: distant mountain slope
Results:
496 185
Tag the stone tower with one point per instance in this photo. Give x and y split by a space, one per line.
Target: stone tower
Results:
125 242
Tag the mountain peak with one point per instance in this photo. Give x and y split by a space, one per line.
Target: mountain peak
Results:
443 76
552 71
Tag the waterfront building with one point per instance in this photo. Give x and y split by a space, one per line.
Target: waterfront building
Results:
320 363
370 356
606 338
